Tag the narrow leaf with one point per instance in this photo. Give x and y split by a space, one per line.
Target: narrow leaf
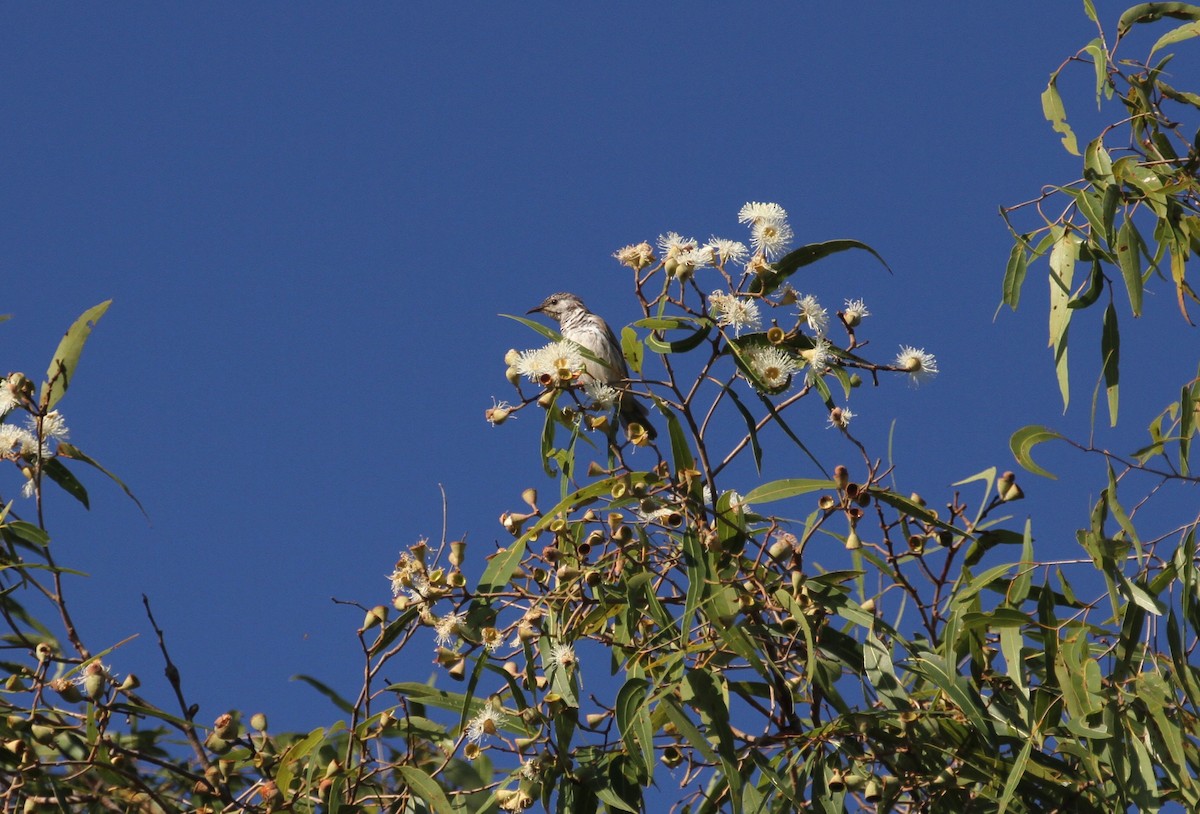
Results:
76 454
1014 275
54 469
806 255
1056 114
1129 259
1183 32
66 357
782 489
1153 12
424 787
1025 439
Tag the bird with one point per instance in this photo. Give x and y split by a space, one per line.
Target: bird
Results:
579 325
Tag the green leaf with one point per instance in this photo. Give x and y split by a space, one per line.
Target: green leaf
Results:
1153 12
1056 114
1129 260
28 532
631 348
54 469
548 333
1097 166
1094 289
66 356
1183 32
1014 776
633 722
426 789
957 691
1019 590
806 255
76 454
1100 64
1062 272
681 450
1110 351
782 489
691 340
751 428
710 702
1014 275
1025 439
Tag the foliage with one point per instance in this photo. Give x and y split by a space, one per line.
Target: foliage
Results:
649 633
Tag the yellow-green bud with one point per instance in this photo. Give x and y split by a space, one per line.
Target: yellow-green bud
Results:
259 722
93 685
512 357
375 616
66 690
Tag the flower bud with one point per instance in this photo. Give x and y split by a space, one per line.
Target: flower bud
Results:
66 690
225 727
217 745
512 357
496 415
458 551
855 380
258 721
841 476
546 399
93 685
375 616
781 549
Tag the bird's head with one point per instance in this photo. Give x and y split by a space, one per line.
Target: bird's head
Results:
556 306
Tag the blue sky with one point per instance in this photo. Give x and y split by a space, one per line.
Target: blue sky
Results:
309 217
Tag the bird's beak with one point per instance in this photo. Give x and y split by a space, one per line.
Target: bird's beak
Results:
535 310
